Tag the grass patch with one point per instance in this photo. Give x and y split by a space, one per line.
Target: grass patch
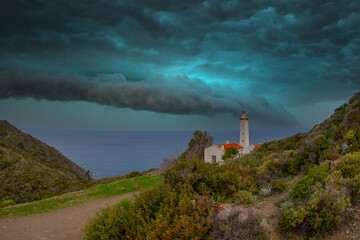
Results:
71 199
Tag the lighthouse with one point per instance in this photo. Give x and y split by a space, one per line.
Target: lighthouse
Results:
244 130
214 153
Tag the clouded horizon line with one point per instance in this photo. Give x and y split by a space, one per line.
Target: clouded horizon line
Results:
120 93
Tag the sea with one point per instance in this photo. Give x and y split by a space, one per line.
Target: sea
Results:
111 153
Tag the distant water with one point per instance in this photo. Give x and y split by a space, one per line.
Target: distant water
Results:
111 153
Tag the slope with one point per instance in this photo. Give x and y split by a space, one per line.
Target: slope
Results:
31 170
330 140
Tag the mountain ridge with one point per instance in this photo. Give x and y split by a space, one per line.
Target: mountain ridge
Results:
32 170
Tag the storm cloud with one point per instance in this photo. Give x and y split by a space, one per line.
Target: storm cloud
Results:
137 96
156 96
271 58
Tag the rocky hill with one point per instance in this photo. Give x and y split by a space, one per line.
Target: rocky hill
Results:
330 140
32 170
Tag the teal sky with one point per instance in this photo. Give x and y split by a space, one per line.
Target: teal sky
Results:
185 65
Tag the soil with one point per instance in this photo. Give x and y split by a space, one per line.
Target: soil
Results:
270 214
60 224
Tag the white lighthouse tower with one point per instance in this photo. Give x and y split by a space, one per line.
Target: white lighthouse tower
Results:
214 153
244 130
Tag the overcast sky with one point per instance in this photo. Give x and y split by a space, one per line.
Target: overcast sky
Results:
176 65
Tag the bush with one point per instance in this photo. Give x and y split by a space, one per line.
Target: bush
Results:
206 178
230 153
294 164
278 185
47 194
7 203
350 137
265 190
191 172
244 197
112 222
159 213
323 210
302 188
133 174
350 166
354 189
235 224
291 218
326 206
250 160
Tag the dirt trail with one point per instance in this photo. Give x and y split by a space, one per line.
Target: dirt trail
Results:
60 224
271 214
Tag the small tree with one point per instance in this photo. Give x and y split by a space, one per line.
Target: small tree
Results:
230 153
197 144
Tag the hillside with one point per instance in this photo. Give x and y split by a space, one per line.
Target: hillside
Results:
306 186
335 137
31 170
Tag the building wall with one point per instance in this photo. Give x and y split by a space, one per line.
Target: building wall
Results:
249 149
213 150
241 153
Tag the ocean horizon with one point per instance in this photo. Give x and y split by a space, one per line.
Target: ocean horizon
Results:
110 153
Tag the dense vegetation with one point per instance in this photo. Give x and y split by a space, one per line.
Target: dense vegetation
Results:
183 208
324 164
318 201
329 156
31 170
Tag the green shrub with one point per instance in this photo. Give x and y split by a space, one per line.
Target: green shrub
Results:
354 189
323 210
278 185
20 145
350 166
244 197
112 223
350 137
302 188
250 160
47 193
219 198
294 164
133 174
159 213
230 153
7 203
206 178
284 204
326 206
292 218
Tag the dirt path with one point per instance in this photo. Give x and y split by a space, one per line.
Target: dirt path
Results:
59 224
271 214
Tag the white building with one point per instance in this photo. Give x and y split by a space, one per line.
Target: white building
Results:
215 152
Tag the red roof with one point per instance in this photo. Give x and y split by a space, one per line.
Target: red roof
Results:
258 144
229 145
